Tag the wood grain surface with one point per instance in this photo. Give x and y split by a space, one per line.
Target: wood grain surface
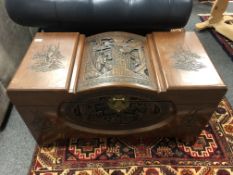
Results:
184 62
116 83
48 63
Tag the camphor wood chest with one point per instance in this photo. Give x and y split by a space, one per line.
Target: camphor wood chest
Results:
116 83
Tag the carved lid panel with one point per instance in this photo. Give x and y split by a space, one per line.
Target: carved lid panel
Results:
115 58
47 63
184 61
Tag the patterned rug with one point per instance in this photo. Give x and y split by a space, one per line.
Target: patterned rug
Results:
226 43
212 154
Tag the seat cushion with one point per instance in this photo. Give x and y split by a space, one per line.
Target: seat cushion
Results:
119 14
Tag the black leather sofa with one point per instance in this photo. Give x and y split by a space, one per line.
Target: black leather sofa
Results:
100 14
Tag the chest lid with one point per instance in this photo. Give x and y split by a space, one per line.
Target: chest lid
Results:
47 65
182 62
73 63
116 59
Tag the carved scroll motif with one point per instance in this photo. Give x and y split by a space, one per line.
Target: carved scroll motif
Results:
48 59
114 57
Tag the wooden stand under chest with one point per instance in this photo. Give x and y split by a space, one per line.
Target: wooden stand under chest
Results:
116 83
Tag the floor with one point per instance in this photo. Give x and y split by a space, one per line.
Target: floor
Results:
17 145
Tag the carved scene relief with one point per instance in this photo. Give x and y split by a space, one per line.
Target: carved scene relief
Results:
114 57
187 60
48 59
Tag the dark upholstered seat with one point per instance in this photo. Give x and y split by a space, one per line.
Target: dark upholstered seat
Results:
114 14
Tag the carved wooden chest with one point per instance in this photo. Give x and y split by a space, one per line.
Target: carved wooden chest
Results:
116 83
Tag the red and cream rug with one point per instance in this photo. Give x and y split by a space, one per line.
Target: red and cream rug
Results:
212 154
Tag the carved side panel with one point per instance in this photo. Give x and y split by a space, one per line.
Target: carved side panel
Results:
115 57
184 62
48 63
117 113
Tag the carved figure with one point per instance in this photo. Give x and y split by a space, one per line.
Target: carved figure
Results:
103 54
